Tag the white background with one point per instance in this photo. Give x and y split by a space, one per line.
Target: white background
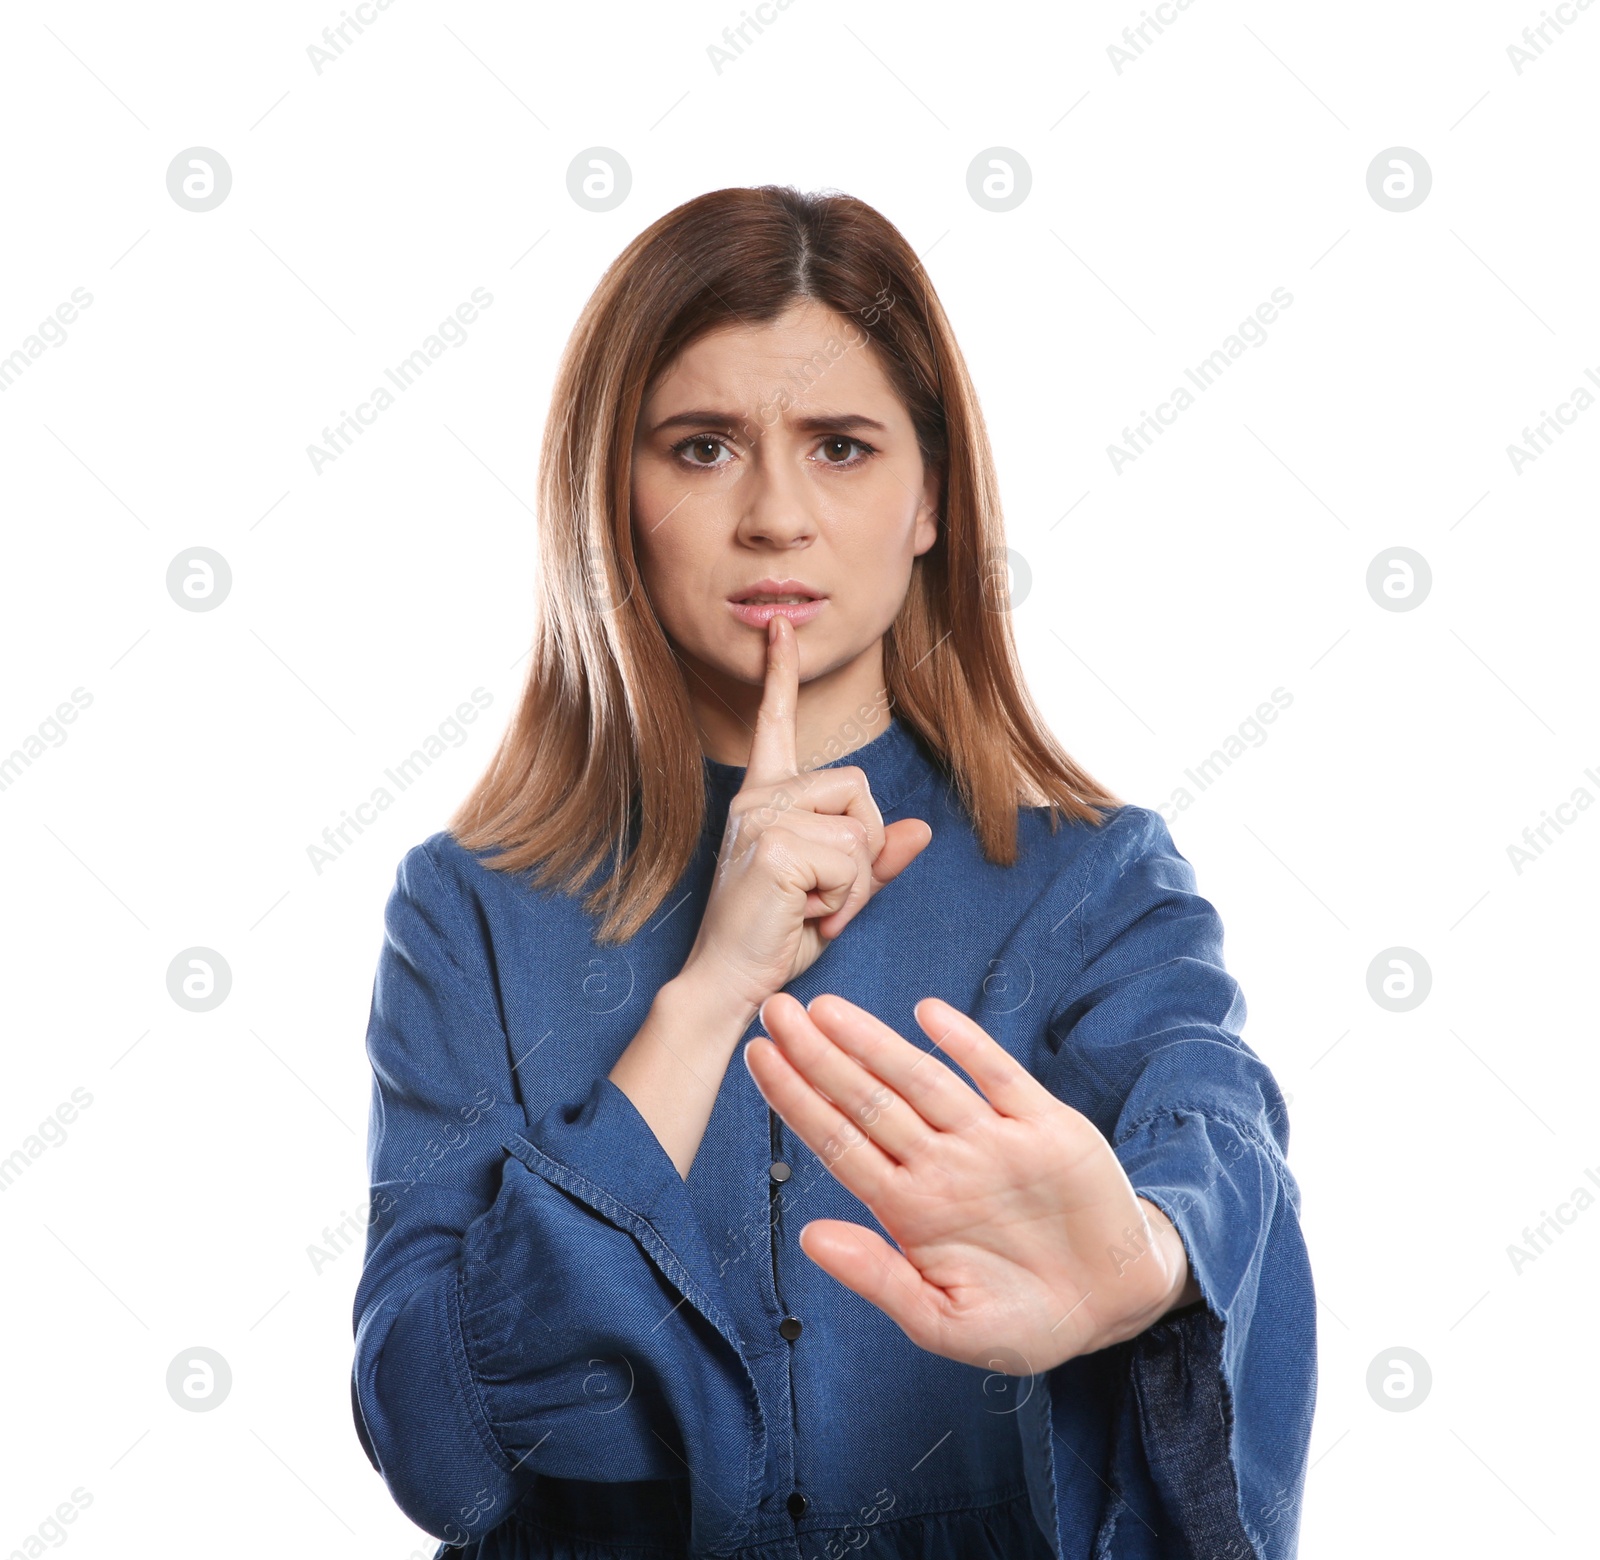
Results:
1166 602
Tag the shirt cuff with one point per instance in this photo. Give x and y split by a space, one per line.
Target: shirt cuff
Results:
1222 1392
602 1151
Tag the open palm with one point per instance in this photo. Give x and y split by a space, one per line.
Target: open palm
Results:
1018 1232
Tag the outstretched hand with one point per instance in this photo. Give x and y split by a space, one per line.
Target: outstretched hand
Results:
1017 1230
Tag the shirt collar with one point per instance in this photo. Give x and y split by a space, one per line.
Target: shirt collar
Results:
894 762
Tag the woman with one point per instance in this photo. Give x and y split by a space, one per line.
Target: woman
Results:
1021 1278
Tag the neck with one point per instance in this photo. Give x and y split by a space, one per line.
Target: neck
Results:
835 713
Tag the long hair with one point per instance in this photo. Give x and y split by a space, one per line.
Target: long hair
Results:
600 764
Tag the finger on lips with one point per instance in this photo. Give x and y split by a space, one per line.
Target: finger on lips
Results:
772 749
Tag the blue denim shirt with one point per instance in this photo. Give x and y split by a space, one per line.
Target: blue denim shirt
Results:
565 1351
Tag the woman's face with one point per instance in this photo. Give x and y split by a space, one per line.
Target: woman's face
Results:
777 459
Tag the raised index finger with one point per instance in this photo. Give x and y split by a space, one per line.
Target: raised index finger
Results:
772 749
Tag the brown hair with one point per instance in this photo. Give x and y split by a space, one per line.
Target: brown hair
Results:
599 759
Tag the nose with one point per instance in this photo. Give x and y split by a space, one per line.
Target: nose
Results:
775 504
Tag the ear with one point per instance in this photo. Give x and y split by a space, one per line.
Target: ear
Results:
927 529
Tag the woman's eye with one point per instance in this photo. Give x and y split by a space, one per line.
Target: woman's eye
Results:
702 451
710 451
836 450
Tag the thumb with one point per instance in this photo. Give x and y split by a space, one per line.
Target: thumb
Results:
865 1262
903 842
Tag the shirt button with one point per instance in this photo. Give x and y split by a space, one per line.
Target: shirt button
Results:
789 1328
797 1504
779 1171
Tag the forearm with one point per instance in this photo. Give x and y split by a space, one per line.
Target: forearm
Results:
673 1067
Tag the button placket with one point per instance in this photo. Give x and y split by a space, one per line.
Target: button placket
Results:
789 1328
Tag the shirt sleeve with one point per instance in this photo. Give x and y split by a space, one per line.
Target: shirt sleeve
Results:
536 1298
1210 1409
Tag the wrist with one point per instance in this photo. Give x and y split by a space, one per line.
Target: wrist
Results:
709 1004
1182 1288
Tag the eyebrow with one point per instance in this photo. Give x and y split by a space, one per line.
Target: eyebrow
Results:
824 423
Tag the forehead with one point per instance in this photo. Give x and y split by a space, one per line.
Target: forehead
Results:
810 352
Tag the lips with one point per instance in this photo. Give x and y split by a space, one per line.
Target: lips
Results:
770 590
757 604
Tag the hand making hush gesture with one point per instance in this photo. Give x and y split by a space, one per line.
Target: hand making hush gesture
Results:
1018 1230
